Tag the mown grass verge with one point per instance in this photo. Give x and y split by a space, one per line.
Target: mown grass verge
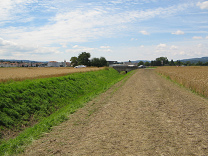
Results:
48 102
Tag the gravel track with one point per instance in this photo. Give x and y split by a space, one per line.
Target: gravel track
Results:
147 115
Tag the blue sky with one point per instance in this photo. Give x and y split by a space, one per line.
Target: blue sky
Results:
121 30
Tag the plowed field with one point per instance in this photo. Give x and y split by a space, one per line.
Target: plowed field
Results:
146 115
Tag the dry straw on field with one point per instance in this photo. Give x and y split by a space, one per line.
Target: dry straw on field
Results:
194 78
17 74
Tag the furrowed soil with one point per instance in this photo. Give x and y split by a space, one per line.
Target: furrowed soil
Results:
145 115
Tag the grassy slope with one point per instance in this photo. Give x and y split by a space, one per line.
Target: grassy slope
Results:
48 101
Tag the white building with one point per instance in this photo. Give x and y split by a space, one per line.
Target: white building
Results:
5 64
62 64
53 64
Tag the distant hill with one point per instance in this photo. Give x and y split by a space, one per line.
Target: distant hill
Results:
137 61
195 60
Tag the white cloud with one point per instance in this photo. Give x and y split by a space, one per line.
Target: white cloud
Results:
83 24
108 50
173 47
104 47
80 49
197 37
75 46
64 45
161 46
199 45
206 37
6 42
15 49
178 32
72 51
161 49
95 52
182 53
15 10
203 5
134 39
144 32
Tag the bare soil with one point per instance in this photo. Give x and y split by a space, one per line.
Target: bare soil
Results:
145 116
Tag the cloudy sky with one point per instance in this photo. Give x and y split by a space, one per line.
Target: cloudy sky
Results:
121 30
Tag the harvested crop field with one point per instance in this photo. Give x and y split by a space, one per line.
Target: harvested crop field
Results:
7 74
147 115
194 78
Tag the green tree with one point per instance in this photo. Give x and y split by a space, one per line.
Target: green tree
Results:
98 62
188 63
199 63
172 63
83 58
205 64
140 63
95 62
103 61
147 63
161 61
178 63
74 61
156 63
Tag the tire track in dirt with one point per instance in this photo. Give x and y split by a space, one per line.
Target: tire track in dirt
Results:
148 115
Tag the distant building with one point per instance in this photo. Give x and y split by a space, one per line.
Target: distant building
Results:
42 64
24 64
8 64
62 64
1 64
130 63
14 64
112 62
5 64
53 64
68 64
35 64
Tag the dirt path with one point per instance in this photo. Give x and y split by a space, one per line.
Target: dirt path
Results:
147 115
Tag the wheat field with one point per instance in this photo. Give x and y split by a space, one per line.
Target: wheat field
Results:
19 74
194 78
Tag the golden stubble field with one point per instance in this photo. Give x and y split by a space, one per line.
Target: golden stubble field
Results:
19 74
194 78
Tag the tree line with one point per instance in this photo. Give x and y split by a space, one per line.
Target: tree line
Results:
84 59
163 61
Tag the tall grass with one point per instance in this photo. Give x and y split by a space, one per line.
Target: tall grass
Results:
47 102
